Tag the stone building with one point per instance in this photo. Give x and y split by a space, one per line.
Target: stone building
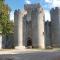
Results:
55 25
31 30
29 26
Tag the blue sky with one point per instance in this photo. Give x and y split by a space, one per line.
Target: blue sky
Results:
19 4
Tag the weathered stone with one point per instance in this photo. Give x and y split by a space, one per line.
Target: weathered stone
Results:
29 25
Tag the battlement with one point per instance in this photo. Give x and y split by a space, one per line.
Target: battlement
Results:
31 6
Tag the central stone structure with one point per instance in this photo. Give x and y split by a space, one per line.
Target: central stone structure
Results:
29 26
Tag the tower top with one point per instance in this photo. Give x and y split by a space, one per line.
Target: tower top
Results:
31 6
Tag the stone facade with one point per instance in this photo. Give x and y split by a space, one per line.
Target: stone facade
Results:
35 17
29 27
31 30
48 36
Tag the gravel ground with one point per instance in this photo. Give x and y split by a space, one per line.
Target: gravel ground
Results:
29 54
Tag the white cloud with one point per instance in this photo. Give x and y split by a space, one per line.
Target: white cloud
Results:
47 15
12 15
53 3
56 3
48 1
27 1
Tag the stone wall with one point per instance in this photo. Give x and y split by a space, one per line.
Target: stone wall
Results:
48 40
8 41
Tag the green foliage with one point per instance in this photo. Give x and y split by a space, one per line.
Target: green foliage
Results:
5 23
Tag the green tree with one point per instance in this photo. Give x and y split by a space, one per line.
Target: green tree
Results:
5 23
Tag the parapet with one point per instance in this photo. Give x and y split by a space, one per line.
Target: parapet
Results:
31 6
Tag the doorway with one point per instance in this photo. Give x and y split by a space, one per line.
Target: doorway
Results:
29 42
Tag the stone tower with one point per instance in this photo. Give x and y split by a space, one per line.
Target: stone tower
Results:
18 28
35 16
55 25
